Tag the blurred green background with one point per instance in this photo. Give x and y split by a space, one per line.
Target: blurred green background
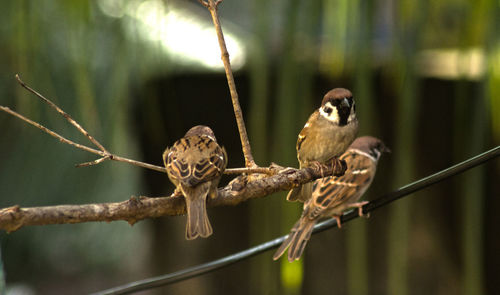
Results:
138 74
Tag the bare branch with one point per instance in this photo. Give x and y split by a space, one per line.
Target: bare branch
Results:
103 152
105 155
245 143
92 163
137 208
63 113
204 3
258 170
52 133
108 156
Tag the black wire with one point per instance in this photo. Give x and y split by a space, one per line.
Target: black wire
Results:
373 205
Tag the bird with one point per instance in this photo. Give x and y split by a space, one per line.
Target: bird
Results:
195 164
331 195
326 135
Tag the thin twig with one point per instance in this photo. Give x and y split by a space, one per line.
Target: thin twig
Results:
52 133
103 152
237 257
108 156
105 155
239 190
204 3
258 170
63 113
245 143
92 163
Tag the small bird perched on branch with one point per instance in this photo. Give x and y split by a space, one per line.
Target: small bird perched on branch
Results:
331 196
326 135
195 164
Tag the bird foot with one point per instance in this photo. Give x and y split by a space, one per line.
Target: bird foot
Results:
177 192
317 165
339 222
359 206
339 166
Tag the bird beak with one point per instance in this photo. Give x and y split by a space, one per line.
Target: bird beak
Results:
345 103
386 150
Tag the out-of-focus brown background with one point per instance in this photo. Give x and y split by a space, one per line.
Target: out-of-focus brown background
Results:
139 74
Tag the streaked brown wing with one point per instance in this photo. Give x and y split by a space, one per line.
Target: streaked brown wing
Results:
177 166
303 132
331 192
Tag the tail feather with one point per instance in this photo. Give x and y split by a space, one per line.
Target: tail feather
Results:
286 242
198 223
294 194
296 240
300 193
300 241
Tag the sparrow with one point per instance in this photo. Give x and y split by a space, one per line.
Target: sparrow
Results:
195 164
331 195
326 135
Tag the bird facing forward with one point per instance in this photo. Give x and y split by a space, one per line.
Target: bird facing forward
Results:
331 196
327 134
195 164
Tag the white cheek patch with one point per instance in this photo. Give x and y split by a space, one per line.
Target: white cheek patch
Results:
352 115
333 116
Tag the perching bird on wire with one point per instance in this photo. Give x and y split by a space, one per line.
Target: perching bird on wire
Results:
195 164
331 196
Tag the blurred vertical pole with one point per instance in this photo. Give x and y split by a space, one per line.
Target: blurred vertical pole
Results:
360 17
493 64
297 88
3 286
493 93
295 69
261 270
22 27
470 119
409 17
285 131
333 50
472 196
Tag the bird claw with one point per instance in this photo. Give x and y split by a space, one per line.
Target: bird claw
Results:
359 206
177 192
339 222
318 166
339 166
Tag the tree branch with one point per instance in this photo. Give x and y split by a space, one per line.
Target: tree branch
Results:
64 114
211 5
102 151
137 208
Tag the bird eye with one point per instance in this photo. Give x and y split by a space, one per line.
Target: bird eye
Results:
328 110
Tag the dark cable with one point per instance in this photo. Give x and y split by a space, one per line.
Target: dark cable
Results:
373 205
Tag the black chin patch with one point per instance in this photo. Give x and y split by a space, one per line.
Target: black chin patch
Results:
344 113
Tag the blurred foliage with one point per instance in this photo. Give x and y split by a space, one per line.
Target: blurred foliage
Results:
107 63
